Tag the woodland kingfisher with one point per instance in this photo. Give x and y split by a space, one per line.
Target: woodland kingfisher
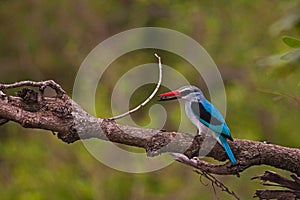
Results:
203 115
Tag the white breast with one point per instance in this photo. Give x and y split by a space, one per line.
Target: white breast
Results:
188 110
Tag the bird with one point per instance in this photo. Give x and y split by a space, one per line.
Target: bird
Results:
203 114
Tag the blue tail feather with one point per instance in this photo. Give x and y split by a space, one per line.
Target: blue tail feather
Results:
227 149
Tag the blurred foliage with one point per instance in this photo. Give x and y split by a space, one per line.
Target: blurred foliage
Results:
50 39
292 42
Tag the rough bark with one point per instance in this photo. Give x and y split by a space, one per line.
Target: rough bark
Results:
31 109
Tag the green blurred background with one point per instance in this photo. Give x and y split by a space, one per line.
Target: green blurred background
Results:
49 39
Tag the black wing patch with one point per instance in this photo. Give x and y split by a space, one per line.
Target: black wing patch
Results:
199 110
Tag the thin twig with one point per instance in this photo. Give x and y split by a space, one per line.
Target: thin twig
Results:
194 163
149 98
281 94
42 85
215 182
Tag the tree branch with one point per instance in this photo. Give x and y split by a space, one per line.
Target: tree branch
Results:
277 194
32 109
269 176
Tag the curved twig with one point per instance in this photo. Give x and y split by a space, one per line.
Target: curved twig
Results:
149 98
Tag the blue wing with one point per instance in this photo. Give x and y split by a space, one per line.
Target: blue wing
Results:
210 117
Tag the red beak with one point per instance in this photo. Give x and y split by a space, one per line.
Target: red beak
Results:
169 95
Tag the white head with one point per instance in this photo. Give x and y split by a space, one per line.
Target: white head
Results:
186 92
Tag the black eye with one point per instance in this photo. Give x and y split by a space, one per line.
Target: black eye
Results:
185 92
